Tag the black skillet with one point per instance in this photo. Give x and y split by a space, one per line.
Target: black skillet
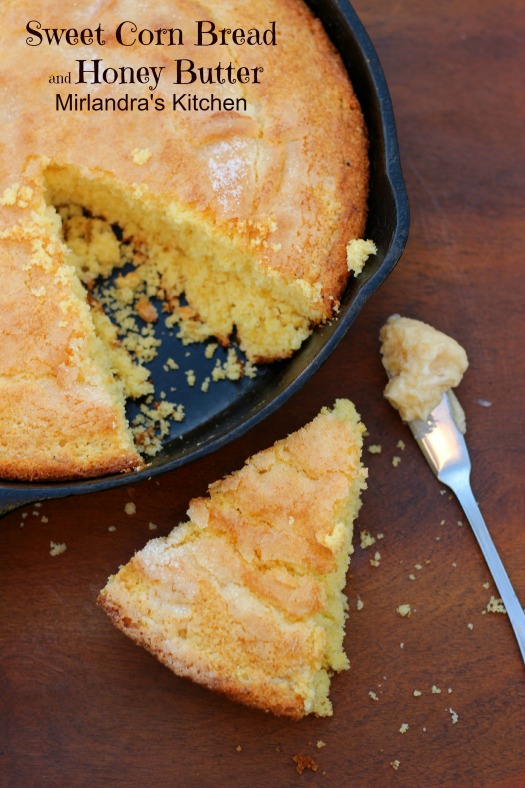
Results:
229 409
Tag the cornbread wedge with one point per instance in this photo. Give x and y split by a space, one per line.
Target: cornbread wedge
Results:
247 597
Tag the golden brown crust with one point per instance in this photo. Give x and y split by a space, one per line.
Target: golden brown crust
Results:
281 701
293 174
247 597
58 418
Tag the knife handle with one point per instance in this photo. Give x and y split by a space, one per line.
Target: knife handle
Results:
513 607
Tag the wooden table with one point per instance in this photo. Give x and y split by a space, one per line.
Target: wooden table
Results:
80 705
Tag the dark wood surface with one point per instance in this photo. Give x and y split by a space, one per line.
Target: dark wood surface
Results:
80 705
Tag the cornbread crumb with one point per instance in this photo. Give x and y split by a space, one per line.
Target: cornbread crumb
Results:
401 445
130 508
10 195
495 606
375 448
367 540
112 528
454 715
357 253
141 156
470 626
152 526
210 349
56 548
250 370
146 310
486 585
360 604
232 368
395 461
435 690
190 377
404 610
395 764
373 695
44 519
304 762
417 693
411 577
404 727
376 560
320 744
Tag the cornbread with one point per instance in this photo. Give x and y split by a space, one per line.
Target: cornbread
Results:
247 213
422 363
247 597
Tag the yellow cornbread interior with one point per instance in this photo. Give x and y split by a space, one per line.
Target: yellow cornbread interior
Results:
247 597
178 250
99 349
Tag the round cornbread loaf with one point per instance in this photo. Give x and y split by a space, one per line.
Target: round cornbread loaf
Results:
248 189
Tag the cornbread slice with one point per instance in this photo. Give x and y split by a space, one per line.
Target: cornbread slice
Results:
422 364
62 413
247 597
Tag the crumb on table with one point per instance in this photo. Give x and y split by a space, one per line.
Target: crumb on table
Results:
304 762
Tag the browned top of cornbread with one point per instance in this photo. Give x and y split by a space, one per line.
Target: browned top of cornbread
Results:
288 173
247 597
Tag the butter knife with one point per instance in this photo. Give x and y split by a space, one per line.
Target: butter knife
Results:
446 452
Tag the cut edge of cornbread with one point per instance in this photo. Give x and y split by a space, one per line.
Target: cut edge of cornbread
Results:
223 279
72 394
247 597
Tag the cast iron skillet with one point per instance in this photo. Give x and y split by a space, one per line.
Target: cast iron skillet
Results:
229 409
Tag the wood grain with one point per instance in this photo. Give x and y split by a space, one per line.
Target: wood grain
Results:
80 705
